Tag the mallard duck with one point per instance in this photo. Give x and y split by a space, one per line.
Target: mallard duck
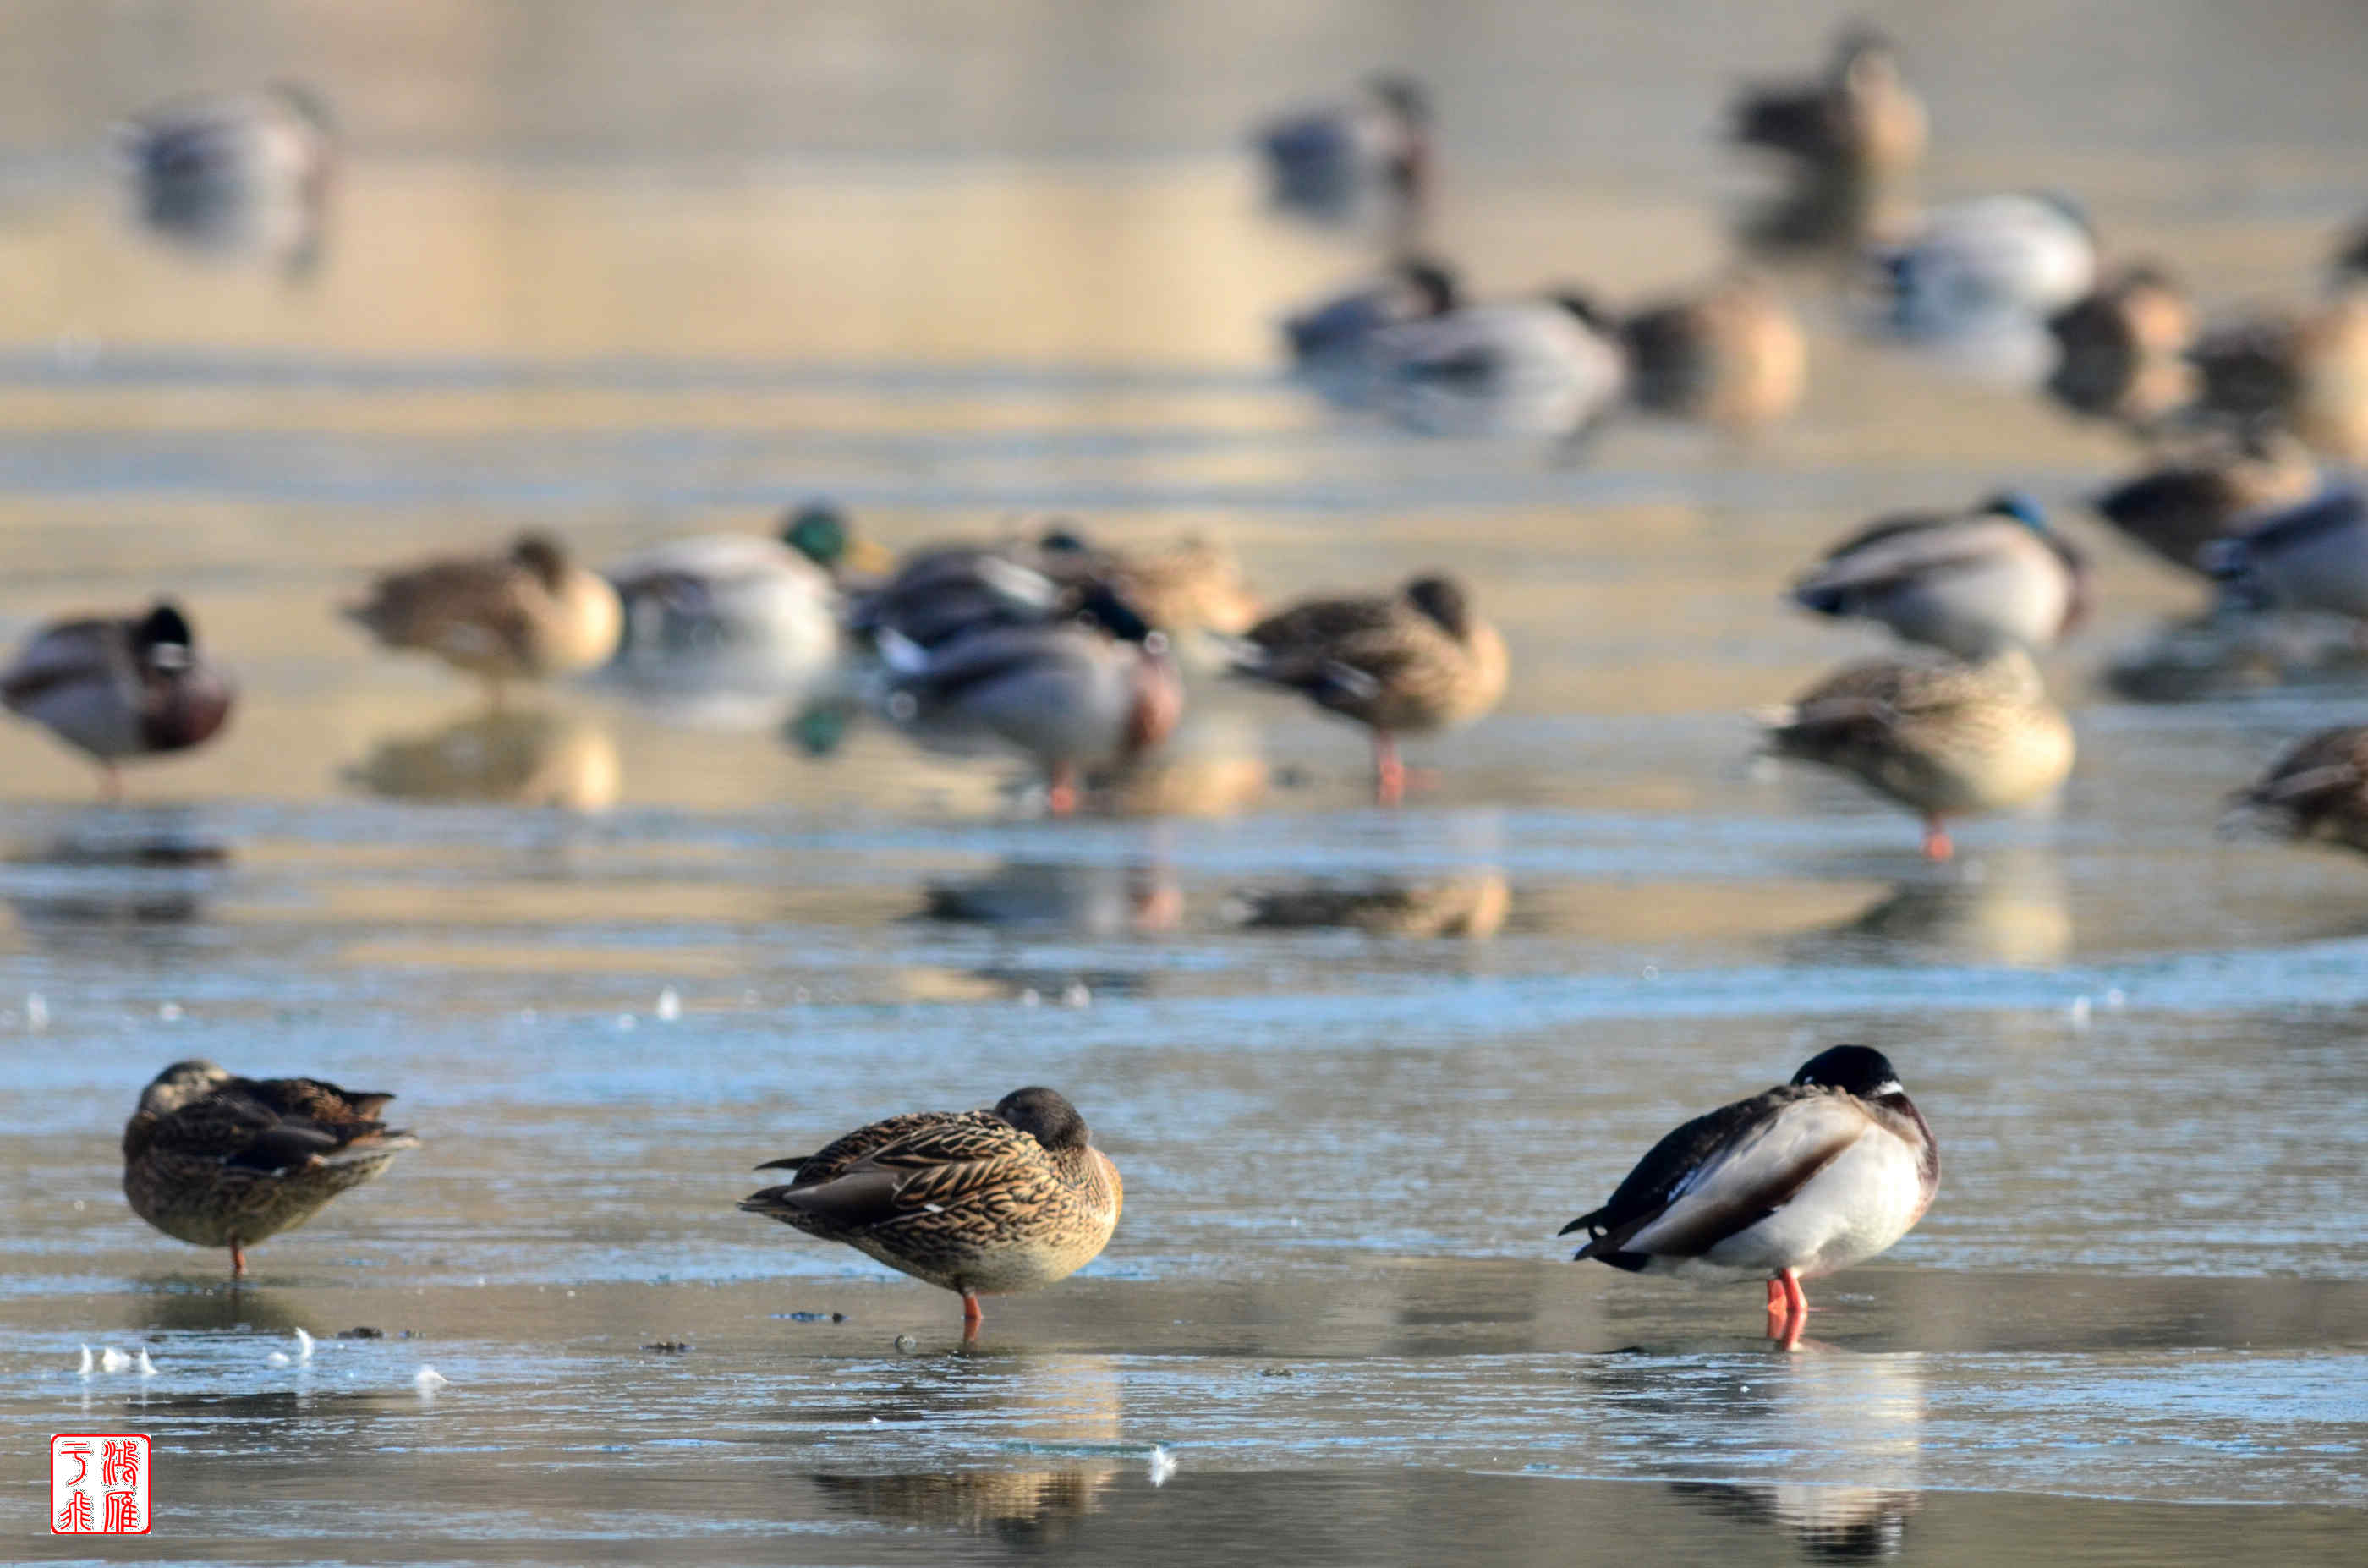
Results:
1943 738
1967 582
1997 261
2201 495
2311 556
245 175
529 615
220 1161
947 591
721 593
2306 370
1731 355
1069 695
980 1202
1860 118
2319 790
1193 585
1550 367
1408 662
2120 350
1331 342
119 687
1324 160
1808 1178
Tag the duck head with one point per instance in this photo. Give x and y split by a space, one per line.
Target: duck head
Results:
1445 601
1044 1115
2021 507
1432 285
818 531
1858 1070
542 555
181 1082
164 640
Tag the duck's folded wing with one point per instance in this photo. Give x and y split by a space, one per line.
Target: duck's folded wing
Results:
76 650
927 1171
836 1156
1755 1172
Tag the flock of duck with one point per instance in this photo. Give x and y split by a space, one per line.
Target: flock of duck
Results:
1070 653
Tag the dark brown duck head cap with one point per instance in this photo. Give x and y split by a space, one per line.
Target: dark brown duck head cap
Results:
1045 1115
542 555
1859 1070
1444 600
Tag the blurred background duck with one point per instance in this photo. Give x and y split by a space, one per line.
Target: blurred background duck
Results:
2306 370
1730 356
2205 488
1409 663
1994 264
1332 162
1967 582
220 1161
979 1202
2316 792
1069 695
237 176
119 687
2311 556
1945 738
1860 118
739 630
1193 584
1332 342
2121 351
531 614
1547 367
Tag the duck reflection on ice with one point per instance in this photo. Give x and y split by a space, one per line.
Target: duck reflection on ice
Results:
1059 1418
1836 1523
1470 907
1019 1505
112 871
1092 900
2011 907
504 757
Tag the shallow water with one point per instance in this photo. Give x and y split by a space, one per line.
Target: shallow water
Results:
1357 1066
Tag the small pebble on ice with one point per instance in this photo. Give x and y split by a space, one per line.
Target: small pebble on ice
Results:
428 1379
168 1011
1028 998
37 1012
1076 995
2116 999
1163 1465
669 1005
277 1358
2079 1012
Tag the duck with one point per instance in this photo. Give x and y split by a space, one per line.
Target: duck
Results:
1944 737
120 688
2306 370
1964 582
2120 350
1731 355
1193 584
1800 1181
1991 263
1331 341
2206 487
1409 663
979 1202
1860 118
237 176
2309 556
1547 367
942 591
1069 695
2318 789
1324 160
220 1161
723 592
531 614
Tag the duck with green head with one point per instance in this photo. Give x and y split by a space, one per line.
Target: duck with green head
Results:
1967 581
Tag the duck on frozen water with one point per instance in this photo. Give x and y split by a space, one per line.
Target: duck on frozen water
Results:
1807 1179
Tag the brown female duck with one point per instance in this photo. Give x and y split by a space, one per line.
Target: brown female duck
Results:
220 1161
2318 791
1404 663
528 615
979 1202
